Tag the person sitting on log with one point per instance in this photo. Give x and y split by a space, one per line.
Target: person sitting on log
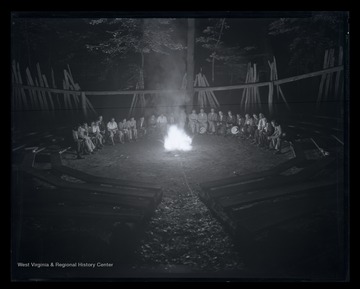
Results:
266 132
152 124
240 121
112 129
162 124
87 132
275 138
89 145
128 126
79 143
230 122
193 119
221 124
94 131
202 121
141 126
124 131
260 128
253 126
133 129
101 125
249 123
212 119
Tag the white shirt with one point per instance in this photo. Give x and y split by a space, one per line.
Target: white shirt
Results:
162 119
261 124
112 125
95 129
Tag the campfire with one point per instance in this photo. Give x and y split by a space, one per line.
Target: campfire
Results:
177 140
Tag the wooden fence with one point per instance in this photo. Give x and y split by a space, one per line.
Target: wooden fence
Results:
40 94
41 97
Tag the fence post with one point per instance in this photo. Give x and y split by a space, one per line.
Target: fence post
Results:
83 103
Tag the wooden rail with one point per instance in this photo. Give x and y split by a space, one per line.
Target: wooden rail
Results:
196 89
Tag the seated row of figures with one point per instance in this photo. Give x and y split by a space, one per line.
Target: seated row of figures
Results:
92 137
264 133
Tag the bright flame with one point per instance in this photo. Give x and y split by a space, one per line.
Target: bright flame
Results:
177 139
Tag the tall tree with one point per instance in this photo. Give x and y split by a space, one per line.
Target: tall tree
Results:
231 57
134 36
307 38
190 63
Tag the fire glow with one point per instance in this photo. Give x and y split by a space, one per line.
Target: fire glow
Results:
177 139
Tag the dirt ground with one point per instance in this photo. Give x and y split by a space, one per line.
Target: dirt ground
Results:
182 236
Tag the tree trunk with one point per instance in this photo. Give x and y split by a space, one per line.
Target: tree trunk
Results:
142 60
190 64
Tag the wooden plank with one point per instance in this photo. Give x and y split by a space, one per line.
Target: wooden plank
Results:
54 86
338 74
323 78
310 130
328 76
196 82
308 75
83 104
243 97
254 88
210 99
213 88
210 91
249 176
32 93
65 96
39 74
201 94
271 98
14 71
78 199
16 95
67 86
283 97
12 91
49 93
18 147
267 215
53 78
41 82
128 198
61 203
90 105
72 85
257 93
64 212
102 180
41 95
291 189
70 74
22 91
201 99
278 181
332 63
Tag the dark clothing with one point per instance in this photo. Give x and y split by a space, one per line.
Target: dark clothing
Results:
102 127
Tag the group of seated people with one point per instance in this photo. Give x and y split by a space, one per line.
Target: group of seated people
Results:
264 133
91 138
